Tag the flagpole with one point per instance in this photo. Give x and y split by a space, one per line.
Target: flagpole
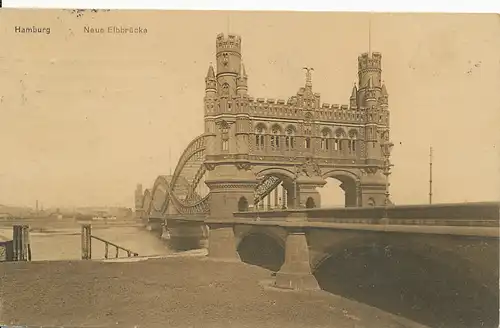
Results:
430 175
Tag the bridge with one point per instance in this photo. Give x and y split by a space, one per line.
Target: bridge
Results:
262 154
249 184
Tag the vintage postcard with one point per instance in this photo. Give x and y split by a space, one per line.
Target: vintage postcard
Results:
248 169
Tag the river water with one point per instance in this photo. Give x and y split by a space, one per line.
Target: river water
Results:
65 244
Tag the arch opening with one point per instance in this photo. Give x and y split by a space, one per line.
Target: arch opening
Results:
279 192
339 191
243 204
425 289
262 250
310 203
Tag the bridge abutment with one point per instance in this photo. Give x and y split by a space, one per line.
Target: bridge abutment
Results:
296 271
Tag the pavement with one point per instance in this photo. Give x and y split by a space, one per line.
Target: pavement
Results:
185 290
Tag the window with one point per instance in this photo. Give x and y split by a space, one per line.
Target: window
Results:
336 145
340 135
225 89
307 143
259 138
225 137
352 141
289 138
275 138
325 139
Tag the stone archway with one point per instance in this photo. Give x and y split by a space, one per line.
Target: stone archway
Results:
285 193
347 182
262 247
417 276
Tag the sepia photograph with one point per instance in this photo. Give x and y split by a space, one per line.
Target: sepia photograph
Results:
249 169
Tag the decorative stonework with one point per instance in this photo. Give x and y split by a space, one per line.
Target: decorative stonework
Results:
217 186
210 166
262 136
243 166
369 170
309 168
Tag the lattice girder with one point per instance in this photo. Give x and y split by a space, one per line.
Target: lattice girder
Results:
179 190
265 187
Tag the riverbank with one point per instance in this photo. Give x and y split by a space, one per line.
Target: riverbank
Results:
170 292
55 244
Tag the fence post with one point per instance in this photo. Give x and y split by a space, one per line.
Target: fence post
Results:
86 242
26 243
15 243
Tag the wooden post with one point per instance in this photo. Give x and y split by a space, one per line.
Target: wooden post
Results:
15 242
21 243
26 243
86 242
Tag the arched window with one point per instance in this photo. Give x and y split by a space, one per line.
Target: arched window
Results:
339 136
259 137
290 138
225 136
275 137
225 89
307 139
353 135
325 139
307 143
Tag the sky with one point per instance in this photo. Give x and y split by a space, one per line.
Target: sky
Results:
84 118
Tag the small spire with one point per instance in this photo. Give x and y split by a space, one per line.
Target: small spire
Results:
354 93
384 90
210 73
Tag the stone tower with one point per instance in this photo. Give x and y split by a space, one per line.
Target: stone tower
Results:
229 177
138 197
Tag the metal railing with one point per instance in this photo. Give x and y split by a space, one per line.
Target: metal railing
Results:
87 245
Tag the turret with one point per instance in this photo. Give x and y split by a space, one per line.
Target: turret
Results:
354 97
384 97
138 197
369 68
210 92
228 54
242 81
210 83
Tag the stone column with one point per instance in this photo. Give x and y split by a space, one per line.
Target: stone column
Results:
296 271
276 198
284 196
222 242
307 188
228 184
373 186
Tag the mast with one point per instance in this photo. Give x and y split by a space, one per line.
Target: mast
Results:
430 175
370 35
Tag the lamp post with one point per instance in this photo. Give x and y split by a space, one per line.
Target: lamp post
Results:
386 152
